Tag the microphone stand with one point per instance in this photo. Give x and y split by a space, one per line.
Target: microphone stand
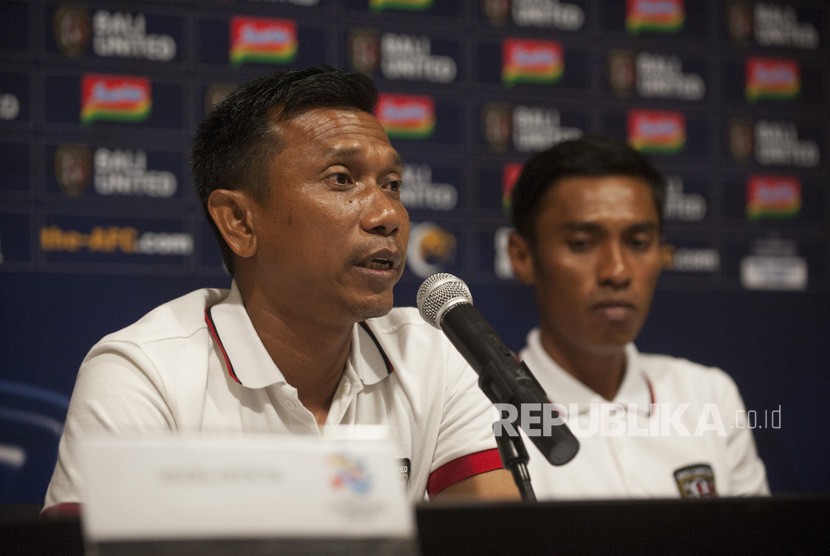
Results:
514 457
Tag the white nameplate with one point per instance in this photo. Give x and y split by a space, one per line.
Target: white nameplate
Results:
254 486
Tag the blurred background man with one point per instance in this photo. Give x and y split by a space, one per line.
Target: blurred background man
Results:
588 217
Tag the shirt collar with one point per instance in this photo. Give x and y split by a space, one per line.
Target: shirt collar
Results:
563 388
248 362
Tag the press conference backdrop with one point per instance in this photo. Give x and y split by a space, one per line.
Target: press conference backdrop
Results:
98 224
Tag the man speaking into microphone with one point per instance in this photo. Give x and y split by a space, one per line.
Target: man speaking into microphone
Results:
301 187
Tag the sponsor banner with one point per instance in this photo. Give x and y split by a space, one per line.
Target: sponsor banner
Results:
83 32
561 15
533 64
402 7
262 40
760 272
685 256
15 234
133 101
398 56
776 263
14 98
688 199
774 142
406 116
106 241
15 18
771 24
531 61
774 199
15 168
431 188
521 128
656 75
261 43
653 131
115 98
772 79
86 171
777 81
411 119
656 18
434 246
661 133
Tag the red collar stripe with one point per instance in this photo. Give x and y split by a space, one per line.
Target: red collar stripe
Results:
212 327
652 397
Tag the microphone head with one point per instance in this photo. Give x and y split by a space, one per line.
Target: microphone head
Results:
439 293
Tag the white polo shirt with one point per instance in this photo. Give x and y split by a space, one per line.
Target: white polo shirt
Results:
674 429
197 364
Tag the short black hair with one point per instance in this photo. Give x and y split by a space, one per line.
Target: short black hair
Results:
237 138
591 155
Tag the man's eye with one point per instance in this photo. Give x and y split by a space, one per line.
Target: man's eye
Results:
395 185
578 245
342 178
640 244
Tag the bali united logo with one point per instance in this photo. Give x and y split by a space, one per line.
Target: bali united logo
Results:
696 481
73 168
73 29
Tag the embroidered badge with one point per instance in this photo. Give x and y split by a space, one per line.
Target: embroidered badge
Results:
696 481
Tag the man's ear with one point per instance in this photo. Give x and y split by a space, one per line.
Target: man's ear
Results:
232 212
521 257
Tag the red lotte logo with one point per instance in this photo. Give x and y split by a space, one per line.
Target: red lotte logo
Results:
406 116
262 40
115 98
773 197
531 61
656 131
770 78
656 16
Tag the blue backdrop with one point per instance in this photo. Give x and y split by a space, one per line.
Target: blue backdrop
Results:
98 102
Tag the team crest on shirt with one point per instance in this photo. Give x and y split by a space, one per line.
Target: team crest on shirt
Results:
696 481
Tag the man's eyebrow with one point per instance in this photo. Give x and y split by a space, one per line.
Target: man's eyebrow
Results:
642 227
351 152
593 227
582 226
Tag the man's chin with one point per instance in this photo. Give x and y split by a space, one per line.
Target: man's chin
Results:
377 307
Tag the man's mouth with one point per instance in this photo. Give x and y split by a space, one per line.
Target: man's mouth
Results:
615 310
384 259
379 264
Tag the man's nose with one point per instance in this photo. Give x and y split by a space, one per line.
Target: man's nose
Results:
614 268
384 213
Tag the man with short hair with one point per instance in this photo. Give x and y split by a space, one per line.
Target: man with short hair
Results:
587 215
302 188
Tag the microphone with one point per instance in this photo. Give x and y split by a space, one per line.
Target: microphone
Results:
445 302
